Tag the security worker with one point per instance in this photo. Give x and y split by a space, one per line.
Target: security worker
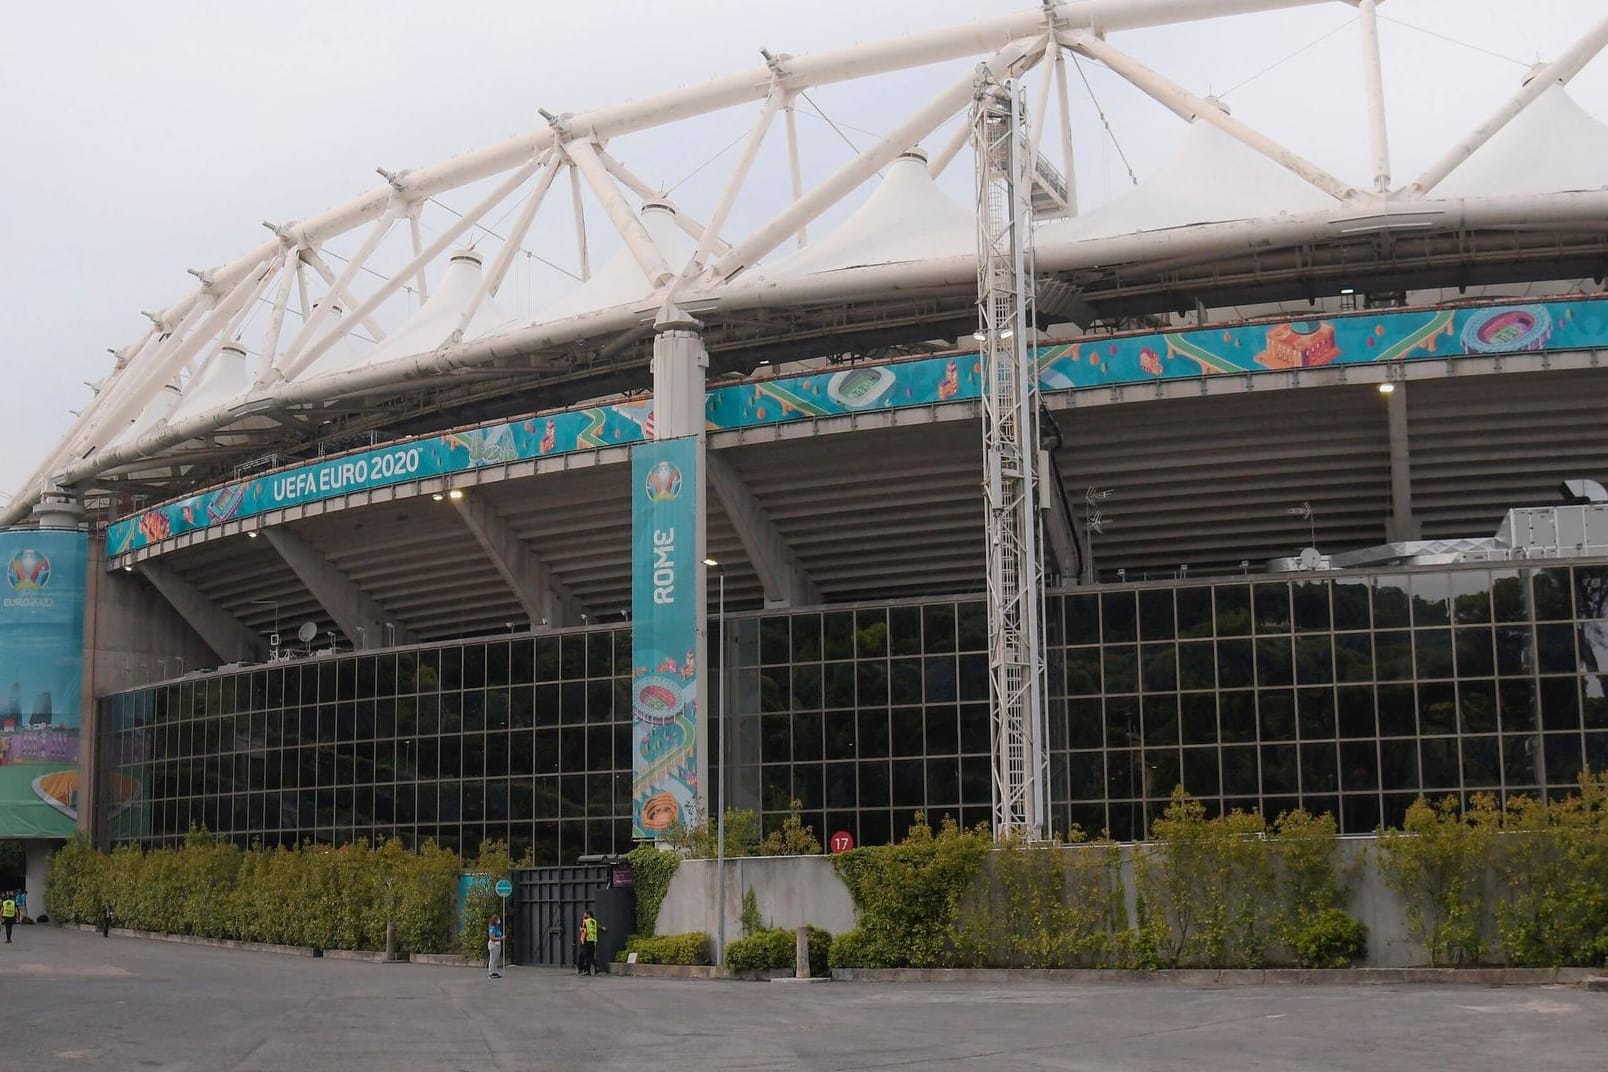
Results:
589 932
8 914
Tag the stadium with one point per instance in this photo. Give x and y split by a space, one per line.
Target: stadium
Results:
368 545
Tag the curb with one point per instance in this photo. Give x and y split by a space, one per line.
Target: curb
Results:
1216 977
699 971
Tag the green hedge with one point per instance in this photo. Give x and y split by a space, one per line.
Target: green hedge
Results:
327 898
778 948
691 948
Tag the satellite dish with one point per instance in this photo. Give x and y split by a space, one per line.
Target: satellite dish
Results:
307 632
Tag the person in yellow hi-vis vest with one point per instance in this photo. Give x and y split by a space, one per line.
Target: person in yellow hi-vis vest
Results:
8 914
586 962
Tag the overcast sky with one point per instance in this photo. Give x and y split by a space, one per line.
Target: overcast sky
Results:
141 139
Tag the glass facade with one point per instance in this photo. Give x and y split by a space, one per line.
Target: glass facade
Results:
1348 692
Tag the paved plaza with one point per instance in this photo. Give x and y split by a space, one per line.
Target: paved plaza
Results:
74 1000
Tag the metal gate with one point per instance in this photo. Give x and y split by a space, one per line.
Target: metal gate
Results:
546 911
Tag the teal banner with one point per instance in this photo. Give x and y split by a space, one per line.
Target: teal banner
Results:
664 634
1092 362
41 675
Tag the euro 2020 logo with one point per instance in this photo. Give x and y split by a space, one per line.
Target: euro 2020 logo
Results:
28 571
663 483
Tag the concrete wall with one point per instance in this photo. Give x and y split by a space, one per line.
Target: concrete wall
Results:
36 853
794 891
134 631
791 891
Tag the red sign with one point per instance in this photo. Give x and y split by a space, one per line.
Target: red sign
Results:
842 841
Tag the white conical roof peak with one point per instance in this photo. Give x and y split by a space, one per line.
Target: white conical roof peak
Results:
431 324
906 218
1212 178
621 281
223 379
1552 146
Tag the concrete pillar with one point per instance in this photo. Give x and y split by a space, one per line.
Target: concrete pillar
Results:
58 509
680 367
1401 524
36 854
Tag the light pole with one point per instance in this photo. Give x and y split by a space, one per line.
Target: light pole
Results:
720 777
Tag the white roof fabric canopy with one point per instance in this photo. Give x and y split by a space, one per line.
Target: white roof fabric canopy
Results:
906 218
621 281
222 381
1212 178
429 326
1553 146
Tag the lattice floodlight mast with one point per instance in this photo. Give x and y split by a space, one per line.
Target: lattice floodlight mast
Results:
1010 398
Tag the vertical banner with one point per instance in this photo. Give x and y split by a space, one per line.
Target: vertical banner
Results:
666 633
41 675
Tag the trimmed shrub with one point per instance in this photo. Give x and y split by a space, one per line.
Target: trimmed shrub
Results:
909 895
777 948
850 950
690 948
651 870
482 901
1329 938
1439 863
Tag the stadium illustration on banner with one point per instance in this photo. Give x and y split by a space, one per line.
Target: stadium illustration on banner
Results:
41 666
1103 361
664 635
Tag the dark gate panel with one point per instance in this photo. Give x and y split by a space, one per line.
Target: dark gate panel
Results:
546 910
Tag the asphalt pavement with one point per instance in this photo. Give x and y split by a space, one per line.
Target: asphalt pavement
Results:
73 1000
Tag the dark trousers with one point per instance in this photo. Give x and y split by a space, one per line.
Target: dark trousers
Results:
587 960
9 920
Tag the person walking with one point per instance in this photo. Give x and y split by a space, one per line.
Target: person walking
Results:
494 944
590 928
8 914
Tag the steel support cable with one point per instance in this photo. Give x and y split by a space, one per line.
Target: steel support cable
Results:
1314 43
1454 41
1076 62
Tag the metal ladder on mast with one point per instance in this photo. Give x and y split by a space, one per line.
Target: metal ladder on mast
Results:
1010 408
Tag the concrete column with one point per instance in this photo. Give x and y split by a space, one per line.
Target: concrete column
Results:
36 854
680 367
1401 524
58 509
89 767
231 641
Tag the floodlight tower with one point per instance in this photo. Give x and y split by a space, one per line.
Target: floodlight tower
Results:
1010 397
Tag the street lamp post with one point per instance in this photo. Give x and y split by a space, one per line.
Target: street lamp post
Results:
720 778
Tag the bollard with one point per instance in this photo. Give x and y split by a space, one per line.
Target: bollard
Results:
801 954
390 940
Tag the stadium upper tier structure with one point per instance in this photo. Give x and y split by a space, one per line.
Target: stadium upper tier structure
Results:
370 549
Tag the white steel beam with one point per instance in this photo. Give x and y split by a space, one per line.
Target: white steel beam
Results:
510 247
356 613
689 225
324 313
1373 81
786 582
223 632
793 164
545 599
1068 157
579 209
313 352
950 149
334 295
1538 82
648 256
421 280
857 171
1190 106
276 320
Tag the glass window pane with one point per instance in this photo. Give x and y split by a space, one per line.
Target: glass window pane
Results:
1552 588
1276 714
1233 610
1156 617
1390 604
904 625
1235 664
806 638
1471 597
971 623
1351 599
1194 612
1119 616
1197 665
1272 607
1430 593
1311 605
1160 667
1081 618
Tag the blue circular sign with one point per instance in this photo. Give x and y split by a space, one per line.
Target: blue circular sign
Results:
504 888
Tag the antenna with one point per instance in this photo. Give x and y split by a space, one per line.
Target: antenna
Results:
307 632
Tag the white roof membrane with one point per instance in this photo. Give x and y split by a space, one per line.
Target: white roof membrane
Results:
1212 178
1553 146
223 379
429 326
906 218
621 280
